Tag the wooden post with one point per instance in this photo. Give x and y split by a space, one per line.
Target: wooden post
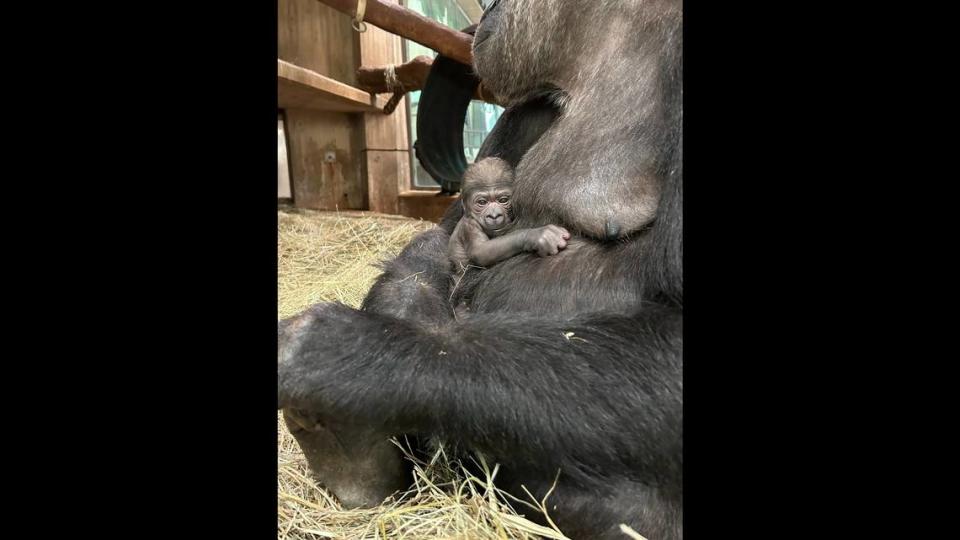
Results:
386 145
411 76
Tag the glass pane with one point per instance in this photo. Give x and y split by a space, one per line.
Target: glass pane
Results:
480 116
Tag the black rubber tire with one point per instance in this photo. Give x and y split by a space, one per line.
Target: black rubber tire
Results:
443 107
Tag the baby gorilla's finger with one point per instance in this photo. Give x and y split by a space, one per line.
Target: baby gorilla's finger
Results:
556 239
551 249
554 242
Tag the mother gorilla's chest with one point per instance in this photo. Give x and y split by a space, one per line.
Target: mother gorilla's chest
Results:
583 180
585 277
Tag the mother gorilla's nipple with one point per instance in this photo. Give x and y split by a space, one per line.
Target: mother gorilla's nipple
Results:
611 230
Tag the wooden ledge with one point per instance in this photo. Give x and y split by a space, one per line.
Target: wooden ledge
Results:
423 204
299 87
414 193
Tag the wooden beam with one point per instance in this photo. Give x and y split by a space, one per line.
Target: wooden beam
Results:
410 76
301 88
409 24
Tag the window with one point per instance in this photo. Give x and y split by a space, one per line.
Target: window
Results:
480 117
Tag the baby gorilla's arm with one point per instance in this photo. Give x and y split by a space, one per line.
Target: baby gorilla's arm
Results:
544 241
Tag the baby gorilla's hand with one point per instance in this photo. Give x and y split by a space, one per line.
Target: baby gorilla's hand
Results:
548 240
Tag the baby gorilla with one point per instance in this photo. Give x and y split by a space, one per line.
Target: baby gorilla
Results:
479 236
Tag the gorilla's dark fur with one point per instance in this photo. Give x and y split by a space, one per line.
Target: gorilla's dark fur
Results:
571 362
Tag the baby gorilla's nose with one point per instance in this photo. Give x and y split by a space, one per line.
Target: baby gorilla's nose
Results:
494 217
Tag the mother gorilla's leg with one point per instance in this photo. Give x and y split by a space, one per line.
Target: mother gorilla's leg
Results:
358 463
415 286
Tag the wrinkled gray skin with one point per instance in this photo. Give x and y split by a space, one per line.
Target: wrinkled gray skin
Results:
605 163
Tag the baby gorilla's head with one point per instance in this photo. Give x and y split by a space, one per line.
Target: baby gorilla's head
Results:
486 192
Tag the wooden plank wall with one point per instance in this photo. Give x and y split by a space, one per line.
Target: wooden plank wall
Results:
428 205
318 183
314 36
371 169
317 37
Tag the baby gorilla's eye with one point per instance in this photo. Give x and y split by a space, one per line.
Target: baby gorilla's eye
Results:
503 200
481 202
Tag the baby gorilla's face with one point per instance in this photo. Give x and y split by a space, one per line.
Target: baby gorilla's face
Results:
487 189
491 208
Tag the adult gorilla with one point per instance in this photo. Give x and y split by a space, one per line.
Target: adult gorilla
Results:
571 362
